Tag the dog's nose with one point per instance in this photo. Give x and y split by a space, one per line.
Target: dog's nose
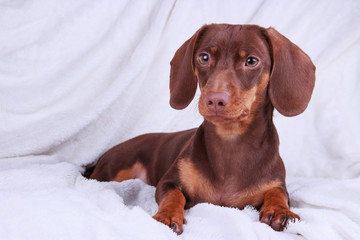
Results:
217 101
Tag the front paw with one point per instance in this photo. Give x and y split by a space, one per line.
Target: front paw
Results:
277 217
172 219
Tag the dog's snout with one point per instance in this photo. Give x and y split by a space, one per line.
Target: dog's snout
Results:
217 101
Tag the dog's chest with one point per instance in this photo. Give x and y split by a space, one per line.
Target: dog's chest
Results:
227 192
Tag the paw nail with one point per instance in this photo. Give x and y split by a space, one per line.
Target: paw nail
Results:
173 227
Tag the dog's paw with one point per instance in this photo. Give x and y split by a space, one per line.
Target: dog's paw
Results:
171 219
277 217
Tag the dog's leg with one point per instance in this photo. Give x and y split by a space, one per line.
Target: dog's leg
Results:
171 210
137 170
275 210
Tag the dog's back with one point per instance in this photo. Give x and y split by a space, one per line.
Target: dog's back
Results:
146 157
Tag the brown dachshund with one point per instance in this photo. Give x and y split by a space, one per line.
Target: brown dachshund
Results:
232 159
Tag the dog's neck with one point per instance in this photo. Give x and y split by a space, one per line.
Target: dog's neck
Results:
239 148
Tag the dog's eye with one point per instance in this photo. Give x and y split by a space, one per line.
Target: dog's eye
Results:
251 62
204 58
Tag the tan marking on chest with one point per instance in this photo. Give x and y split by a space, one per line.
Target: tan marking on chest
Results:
135 171
193 180
201 189
254 195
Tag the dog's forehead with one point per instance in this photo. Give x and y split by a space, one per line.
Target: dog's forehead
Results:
234 37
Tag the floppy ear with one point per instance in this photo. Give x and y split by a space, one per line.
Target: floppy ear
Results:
292 76
183 81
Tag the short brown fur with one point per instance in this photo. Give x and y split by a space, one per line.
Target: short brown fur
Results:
198 186
232 159
171 210
275 210
136 171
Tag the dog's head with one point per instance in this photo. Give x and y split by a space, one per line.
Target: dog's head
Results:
239 67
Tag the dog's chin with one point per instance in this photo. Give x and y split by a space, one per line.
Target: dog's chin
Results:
228 116
219 118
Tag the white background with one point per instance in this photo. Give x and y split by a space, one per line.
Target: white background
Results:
77 77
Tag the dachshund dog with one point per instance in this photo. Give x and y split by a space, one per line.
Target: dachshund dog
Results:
232 159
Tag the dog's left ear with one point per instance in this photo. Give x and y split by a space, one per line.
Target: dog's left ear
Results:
292 76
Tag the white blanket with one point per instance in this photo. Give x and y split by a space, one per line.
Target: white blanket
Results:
77 77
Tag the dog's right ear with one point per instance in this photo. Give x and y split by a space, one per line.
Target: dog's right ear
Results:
292 77
183 82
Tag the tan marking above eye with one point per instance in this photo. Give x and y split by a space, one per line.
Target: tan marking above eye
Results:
242 53
213 50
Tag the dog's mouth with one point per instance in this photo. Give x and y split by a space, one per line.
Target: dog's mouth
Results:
233 111
238 115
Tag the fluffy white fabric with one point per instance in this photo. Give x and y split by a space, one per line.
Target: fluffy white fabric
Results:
77 77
